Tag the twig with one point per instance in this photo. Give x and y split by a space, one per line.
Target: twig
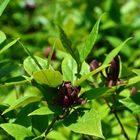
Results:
118 119
50 127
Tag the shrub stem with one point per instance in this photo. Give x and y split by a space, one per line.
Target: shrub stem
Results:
50 127
118 119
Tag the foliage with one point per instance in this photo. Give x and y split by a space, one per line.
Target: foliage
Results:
71 70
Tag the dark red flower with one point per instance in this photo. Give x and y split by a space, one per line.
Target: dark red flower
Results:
113 71
68 95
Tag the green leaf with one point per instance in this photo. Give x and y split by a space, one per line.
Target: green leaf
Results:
85 122
114 52
23 101
86 47
132 103
69 69
95 93
65 41
85 77
115 41
3 5
14 81
133 80
30 66
17 131
8 45
137 71
41 111
48 77
85 69
2 37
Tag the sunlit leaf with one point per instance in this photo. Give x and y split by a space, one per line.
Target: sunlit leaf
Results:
17 131
2 37
85 122
23 101
48 77
30 66
69 69
41 111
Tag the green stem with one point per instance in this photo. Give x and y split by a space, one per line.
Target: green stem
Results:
56 118
50 127
118 119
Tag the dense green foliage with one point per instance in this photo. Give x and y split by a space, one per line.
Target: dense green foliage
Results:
69 70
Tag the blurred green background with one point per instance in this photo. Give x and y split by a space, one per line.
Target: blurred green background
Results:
34 21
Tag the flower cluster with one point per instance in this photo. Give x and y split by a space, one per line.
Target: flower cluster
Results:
68 95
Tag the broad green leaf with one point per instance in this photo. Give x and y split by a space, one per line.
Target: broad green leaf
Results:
30 66
137 71
3 5
95 93
69 69
48 77
133 103
23 101
85 77
17 131
41 111
2 37
86 47
133 80
114 52
8 45
85 122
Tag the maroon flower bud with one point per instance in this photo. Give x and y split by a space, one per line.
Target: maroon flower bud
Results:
113 71
68 95
94 65
47 52
66 102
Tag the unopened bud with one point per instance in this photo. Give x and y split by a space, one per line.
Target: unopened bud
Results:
94 65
